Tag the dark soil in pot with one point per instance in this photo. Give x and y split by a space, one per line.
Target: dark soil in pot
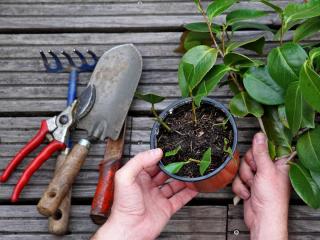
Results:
195 139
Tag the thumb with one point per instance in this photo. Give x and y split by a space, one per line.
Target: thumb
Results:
260 153
131 169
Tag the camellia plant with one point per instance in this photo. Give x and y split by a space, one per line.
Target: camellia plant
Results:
283 93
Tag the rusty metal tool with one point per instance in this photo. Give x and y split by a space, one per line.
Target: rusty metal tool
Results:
116 78
103 197
58 224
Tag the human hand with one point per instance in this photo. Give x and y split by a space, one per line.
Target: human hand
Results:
143 202
265 188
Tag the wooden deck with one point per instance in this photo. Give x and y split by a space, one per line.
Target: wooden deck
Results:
28 94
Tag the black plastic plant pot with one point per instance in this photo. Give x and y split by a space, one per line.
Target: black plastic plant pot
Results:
221 176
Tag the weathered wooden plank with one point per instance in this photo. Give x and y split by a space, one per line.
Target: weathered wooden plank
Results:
295 236
109 39
87 9
112 23
302 220
189 220
84 236
112 1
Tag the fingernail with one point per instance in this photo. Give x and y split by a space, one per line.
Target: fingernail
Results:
156 151
260 138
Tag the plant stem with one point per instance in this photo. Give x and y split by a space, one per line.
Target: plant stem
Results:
193 160
209 28
159 119
235 80
194 115
262 126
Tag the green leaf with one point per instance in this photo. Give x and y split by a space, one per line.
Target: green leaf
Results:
262 88
310 86
308 149
194 39
255 44
306 29
283 116
293 104
313 54
308 116
210 81
243 14
174 167
242 104
298 11
202 27
276 131
205 161
250 25
149 97
273 6
217 7
237 59
272 149
304 185
195 64
316 177
173 152
226 148
285 62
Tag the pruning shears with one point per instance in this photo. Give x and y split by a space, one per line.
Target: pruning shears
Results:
57 130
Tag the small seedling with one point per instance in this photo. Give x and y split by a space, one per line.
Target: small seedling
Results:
204 163
173 152
227 148
153 99
223 124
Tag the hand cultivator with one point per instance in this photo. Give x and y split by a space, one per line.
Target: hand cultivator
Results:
59 223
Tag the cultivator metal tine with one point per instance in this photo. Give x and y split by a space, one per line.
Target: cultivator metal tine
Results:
80 55
69 58
44 60
93 55
58 66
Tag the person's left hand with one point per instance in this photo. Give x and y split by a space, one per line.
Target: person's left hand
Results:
143 202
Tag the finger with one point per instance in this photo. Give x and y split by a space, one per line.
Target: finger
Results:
152 171
160 178
141 161
240 189
283 164
261 153
171 188
181 198
248 157
246 174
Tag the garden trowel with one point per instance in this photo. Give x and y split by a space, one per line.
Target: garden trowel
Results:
115 78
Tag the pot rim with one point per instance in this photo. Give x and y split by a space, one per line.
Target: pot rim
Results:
179 103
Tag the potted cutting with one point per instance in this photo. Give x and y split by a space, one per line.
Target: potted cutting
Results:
282 91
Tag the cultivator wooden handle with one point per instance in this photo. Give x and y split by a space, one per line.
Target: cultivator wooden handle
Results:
103 198
58 223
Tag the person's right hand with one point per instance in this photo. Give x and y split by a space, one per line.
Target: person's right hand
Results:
265 188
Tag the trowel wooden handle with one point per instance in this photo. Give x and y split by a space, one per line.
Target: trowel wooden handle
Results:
63 180
103 197
58 224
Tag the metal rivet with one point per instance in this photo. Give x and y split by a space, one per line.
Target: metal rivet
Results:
64 119
236 232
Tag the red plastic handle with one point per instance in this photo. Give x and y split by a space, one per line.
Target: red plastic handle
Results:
33 144
35 165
